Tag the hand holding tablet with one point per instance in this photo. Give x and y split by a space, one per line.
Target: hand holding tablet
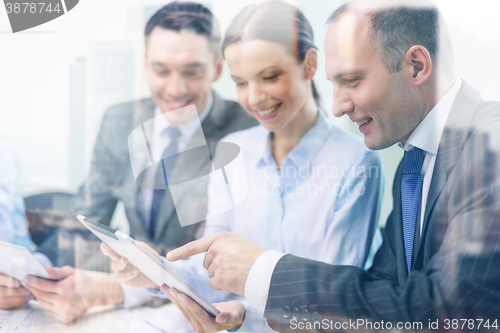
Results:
124 272
18 262
147 263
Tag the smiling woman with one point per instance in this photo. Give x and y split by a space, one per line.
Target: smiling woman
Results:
272 86
272 38
272 58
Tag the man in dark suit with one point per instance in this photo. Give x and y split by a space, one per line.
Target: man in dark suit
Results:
182 61
439 264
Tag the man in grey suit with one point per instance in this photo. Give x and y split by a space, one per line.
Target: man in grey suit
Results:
439 264
182 61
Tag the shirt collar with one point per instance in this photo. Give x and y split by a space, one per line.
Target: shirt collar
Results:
188 128
427 134
305 150
264 154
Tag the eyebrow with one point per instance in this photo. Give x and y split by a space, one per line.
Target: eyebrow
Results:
190 65
265 69
259 73
195 64
341 75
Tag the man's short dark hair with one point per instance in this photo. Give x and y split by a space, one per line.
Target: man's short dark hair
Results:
394 30
189 16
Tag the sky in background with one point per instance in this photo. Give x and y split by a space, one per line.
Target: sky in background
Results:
35 74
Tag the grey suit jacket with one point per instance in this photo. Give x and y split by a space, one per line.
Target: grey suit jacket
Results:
456 266
111 180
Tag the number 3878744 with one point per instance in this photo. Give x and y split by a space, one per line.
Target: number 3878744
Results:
31 7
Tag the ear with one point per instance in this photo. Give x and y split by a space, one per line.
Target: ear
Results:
311 63
418 64
219 64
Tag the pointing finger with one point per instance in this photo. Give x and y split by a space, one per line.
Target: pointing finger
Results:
195 247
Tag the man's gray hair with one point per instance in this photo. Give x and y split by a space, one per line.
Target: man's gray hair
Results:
395 29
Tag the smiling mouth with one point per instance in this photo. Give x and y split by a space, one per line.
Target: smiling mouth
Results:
268 111
177 105
364 121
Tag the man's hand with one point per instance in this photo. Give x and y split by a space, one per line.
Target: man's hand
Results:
127 274
232 313
75 292
11 293
228 261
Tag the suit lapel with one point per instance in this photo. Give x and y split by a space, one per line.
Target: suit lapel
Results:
143 111
452 142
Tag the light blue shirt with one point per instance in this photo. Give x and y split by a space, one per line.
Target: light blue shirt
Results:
13 226
323 204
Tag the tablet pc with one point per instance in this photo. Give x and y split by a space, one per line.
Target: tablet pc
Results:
18 261
153 268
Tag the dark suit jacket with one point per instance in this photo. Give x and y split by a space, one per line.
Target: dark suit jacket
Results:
111 179
456 270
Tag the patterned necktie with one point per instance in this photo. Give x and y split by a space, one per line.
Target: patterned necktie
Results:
411 189
163 173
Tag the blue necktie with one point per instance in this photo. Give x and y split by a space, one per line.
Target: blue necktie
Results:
163 173
411 189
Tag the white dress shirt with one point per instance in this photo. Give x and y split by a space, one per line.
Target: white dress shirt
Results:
426 136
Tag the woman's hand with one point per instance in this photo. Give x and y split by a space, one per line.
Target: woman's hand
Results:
232 313
124 272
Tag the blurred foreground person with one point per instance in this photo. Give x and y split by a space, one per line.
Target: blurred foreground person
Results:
13 225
